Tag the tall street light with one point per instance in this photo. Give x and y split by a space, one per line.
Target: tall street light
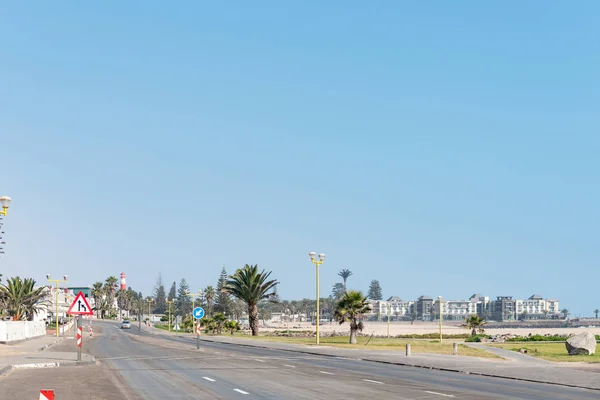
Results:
440 315
57 281
4 202
150 300
318 262
169 302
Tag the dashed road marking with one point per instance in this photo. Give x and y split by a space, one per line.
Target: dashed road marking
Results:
369 380
327 373
241 391
439 394
256 359
288 365
208 379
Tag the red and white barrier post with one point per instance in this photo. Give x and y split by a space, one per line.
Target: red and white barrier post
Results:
46 394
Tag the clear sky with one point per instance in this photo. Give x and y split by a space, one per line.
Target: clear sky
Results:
443 148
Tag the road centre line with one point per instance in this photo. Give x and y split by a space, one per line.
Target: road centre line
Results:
326 373
208 379
369 380
439 394
256 359
288 365
240 391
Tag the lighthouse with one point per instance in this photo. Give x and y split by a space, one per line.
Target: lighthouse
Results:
123 282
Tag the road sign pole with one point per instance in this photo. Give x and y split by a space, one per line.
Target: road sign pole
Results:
79 337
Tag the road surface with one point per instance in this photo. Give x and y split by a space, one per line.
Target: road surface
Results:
150 367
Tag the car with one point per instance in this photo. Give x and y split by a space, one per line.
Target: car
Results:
125 325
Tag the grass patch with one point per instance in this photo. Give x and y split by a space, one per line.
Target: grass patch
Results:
549 351
393 344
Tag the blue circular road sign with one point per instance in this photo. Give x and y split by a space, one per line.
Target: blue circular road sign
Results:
198 313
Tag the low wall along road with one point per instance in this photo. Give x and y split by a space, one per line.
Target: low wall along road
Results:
14 331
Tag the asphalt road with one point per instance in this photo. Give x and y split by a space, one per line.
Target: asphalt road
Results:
154 367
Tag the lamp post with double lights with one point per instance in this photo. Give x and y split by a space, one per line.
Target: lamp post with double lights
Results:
317 263
5 203
56 281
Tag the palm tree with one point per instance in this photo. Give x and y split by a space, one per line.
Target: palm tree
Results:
345 274
208 324
352 306
596 311
21 298
474 323
209 295
565 312
219 319
231 326
251 286
97 293
110 288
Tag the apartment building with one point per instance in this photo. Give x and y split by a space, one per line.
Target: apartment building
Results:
536 307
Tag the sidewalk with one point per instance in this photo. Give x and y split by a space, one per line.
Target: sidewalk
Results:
33 354
514 366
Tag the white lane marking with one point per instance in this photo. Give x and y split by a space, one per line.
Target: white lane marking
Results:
256 359
368 380
288 365
440 394
208 379
326 373
241 391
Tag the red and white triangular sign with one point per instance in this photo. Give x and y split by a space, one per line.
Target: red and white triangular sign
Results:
80 306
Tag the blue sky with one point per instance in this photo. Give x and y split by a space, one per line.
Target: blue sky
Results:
443 149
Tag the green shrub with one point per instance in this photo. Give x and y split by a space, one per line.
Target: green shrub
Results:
476 338
539 338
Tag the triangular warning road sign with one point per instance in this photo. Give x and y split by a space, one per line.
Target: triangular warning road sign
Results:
80 306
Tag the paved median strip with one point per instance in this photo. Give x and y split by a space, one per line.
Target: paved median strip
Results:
439 394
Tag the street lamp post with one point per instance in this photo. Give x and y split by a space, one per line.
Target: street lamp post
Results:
4 202
318 262
56 281
440 312
389 307
150 301
169 302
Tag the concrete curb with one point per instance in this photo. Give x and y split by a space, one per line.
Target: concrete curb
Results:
8 369
51 344
455 370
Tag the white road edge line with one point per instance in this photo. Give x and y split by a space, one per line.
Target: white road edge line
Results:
326 373
439 394
288 365
241 391
368 380
208 379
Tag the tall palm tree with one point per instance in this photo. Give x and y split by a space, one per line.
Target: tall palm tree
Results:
351 307
110 288
251 286
474 323
596 311
565 312
345 274
209 295
97 293
21 298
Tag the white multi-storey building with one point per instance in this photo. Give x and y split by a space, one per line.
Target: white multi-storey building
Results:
394 305
536 307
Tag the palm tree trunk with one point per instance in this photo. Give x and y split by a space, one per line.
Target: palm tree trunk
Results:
352 334
253 318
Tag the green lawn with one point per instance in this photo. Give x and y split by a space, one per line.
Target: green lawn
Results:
393 344
549 351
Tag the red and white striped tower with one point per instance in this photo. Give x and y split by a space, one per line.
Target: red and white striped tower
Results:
123 282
